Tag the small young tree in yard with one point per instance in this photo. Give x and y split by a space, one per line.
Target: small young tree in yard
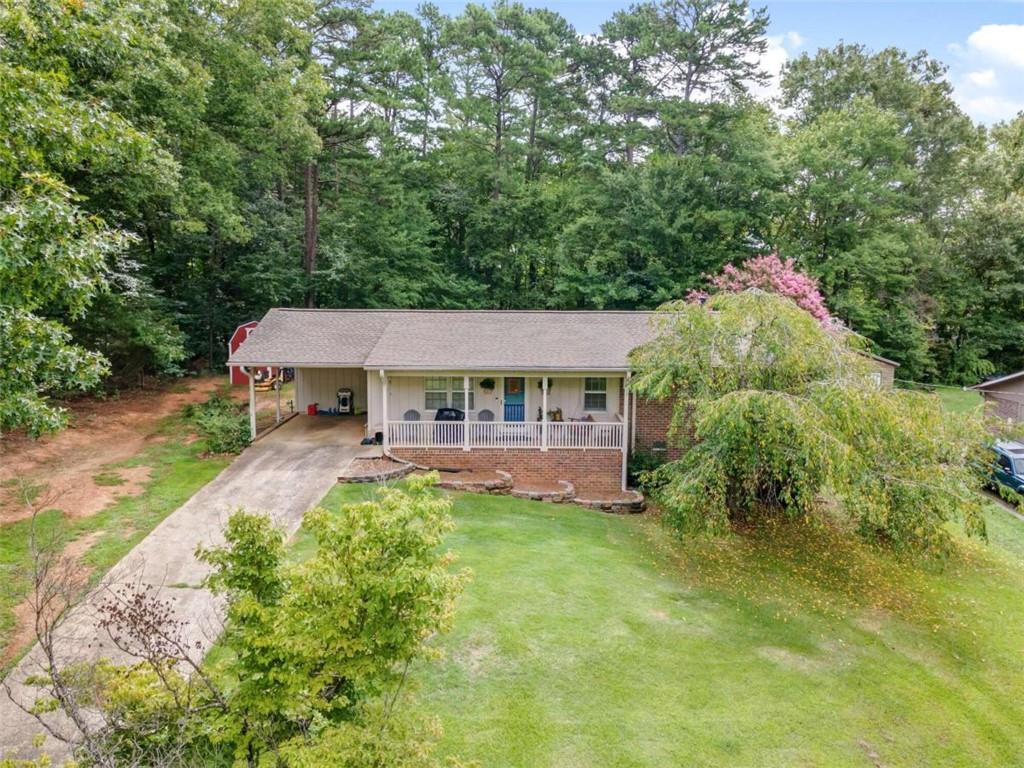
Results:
312 642
313 657
785 415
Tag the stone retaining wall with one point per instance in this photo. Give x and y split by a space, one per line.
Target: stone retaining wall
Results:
596 469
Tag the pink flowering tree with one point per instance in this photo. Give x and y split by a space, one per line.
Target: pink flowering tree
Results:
773 275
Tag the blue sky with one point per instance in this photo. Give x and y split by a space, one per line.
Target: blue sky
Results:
982 42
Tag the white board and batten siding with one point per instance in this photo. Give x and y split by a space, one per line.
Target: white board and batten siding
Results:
321 385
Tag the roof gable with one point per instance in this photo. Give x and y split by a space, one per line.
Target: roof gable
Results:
1000 380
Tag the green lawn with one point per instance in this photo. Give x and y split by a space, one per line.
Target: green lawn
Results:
955 399
959 400
178 470
592 640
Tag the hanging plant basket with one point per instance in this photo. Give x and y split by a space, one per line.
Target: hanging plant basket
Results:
487 384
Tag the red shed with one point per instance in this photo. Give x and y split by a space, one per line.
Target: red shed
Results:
237 375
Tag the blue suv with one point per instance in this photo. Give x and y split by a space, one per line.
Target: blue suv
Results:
1009 468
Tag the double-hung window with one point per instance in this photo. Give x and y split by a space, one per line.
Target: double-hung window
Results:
445 391
595 394
436 390
459 394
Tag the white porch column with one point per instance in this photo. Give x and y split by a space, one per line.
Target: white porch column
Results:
465 406
384 410
278 387
544 414
252 404
632 423
625 429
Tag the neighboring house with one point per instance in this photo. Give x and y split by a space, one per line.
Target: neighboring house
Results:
1004 396
885 375
544 392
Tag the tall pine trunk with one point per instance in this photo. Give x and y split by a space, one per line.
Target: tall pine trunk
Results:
532 155
310 230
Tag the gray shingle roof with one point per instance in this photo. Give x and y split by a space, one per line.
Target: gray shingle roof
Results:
998 380
439 339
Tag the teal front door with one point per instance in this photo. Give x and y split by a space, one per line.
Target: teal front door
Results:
515 398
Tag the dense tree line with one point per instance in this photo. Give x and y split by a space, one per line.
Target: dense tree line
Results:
169 169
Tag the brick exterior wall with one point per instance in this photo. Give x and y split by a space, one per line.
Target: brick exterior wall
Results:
653 419
595 470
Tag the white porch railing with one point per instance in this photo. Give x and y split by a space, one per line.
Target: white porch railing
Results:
504 434
577 434
425 434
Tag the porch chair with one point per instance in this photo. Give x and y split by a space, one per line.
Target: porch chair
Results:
485 415
411 415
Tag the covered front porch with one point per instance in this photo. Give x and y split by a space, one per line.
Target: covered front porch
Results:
502 409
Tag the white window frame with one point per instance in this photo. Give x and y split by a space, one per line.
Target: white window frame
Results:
428 390
457 389
452 386
588 389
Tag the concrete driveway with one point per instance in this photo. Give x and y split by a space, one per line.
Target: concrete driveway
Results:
283 475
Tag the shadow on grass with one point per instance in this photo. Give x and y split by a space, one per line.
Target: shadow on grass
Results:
813 565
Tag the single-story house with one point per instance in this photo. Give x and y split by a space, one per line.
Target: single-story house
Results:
545 393
1004 396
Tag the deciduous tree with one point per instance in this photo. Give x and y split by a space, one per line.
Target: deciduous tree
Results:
786 419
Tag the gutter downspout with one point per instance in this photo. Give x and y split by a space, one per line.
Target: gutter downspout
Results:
625 429
252 403
384 412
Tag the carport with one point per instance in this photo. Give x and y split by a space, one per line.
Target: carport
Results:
317 392
320 386
325 348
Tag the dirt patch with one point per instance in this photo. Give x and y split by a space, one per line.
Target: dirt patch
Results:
616 497
872 753
469 476
871 620
370 465
540 487
100 433
791 659
477 657
374 469
76 574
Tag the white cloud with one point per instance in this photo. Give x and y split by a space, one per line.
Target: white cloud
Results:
1002 42
991 109
985 78
985 71
778 52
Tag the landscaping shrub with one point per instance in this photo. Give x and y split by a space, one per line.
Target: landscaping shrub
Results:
222 423
641 470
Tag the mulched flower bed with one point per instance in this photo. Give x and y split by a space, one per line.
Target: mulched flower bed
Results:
374 469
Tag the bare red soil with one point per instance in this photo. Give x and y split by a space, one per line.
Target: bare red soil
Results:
101 432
